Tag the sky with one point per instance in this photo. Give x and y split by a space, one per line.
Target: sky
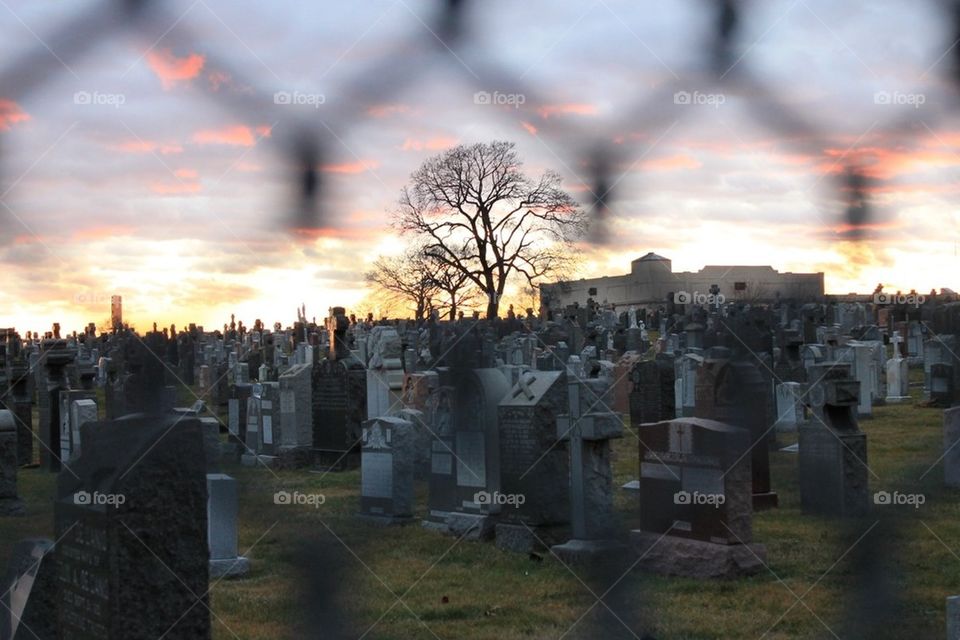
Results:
152 160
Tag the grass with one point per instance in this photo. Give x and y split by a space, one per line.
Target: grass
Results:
472 591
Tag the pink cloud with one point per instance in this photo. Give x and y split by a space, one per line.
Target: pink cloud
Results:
235 135
186 174
672 163
532 130
171 69
350 167
431 144
146 146
10 114
580 109
175 188
384 110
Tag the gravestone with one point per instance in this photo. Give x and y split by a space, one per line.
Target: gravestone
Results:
69 436
833 450
623 382
10 502
951 447
386 470
733 392
223 508
339 408
687 367
533 466
695 491
82 410
296 415
28 605
22 407
898 380
384 372
953 618
591 479
790 413
57 356
131 528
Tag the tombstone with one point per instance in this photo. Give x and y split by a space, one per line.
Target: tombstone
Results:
10 502
790 412
339 409
384 372
734 392
81 411
695 491
237 412
296 415
591 479
212 451
652 395
223 508
56 358
28 606
533 467
953 618
262 418
951 447
623 382
22 407
898 380
386 470
131 526
833 450
686 383
865 372
943 390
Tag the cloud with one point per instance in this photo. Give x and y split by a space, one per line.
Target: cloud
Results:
186 174
385 110
350 167
437 143
145 146
532 130
10 114
575 108
171 69
235 135
672 163
175 188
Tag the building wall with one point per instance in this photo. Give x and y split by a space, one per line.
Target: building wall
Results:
652 281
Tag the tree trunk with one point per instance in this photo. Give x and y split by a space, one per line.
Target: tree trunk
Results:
493 308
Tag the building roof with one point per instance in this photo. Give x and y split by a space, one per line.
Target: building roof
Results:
651 256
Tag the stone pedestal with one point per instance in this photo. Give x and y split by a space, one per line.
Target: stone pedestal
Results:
689 558
222 515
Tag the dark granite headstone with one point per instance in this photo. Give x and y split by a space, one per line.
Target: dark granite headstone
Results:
131 525
833 450
387 455
339 409
10 502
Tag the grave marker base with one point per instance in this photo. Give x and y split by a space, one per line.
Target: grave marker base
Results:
589 551
234 568
686 557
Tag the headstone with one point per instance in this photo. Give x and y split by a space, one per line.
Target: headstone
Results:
339 409
82 411
131 530
591 478
696 513
223 508
898 380
10 502
790 411
951 447
387 458
296 414
28 605
533 466
833 450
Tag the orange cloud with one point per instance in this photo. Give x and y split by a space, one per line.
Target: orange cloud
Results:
317 233
186 174
236 135
672 163
104 232
145 146
384 110
11 113
432 144
171 69
580 109
350 167
532 130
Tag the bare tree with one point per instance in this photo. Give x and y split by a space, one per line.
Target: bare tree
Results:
405 280
478 214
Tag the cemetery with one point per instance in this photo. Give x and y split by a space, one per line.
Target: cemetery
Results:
485 478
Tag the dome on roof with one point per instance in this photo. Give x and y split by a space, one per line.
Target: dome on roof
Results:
650 256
